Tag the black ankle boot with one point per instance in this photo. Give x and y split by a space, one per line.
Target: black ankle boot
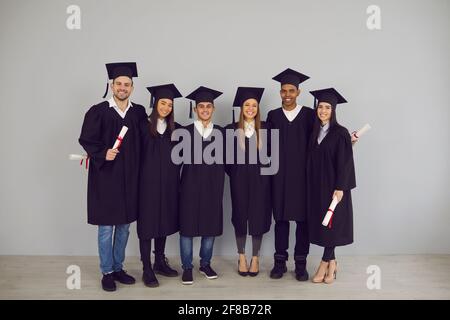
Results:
301 274
161 266
149 278
279 267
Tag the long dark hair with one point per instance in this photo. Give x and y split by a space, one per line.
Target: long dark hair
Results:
317 123
154 120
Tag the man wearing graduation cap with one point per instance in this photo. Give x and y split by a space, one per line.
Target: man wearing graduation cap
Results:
294 123
113 173
202 184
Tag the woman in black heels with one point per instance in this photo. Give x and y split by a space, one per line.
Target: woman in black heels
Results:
250 190
330 173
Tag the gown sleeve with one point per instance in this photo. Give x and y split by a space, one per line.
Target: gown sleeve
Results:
90 137
345 175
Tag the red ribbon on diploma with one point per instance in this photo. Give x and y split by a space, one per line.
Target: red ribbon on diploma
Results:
331 219
120 141
87 162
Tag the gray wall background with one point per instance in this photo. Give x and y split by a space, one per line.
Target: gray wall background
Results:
397 79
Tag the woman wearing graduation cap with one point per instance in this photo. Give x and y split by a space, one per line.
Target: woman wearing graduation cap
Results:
330 173
202 183
250 190
158 184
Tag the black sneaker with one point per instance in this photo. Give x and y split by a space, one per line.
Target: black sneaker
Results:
123 277
149 279
187 277
208 272
108 283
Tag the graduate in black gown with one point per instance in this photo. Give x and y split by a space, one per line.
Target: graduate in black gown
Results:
159 181
294 123
113 173
331 173
202 184
250 190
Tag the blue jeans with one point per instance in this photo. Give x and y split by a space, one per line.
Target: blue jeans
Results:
206 251
112 251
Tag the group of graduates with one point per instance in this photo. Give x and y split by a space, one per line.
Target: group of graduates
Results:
139 181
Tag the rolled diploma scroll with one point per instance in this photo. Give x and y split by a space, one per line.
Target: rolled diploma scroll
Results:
119 139
363 130
330 212
77 157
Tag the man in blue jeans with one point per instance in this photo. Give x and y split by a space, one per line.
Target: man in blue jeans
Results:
202 183
113 173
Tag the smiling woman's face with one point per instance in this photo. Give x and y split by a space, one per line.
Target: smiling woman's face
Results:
164 107
324 112
250 109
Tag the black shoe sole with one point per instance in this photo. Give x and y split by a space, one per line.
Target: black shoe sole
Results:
127 283
151 284
253 274
302 278
109 289
242 274
170 275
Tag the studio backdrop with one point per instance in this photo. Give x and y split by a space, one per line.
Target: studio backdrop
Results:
388 58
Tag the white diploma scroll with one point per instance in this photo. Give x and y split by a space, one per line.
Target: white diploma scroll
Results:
363 130
77 157
330 212
119 139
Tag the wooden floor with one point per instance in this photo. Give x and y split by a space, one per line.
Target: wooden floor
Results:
402 277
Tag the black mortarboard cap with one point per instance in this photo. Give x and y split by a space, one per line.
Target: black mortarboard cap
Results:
290 76
165 91
329 95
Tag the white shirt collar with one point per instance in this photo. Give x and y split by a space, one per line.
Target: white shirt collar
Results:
290 115
325 127
249 128
204 132
161 125
113 104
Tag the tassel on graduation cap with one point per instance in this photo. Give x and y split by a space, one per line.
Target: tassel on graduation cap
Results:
190 109
315 102
106 91
152 101
232 111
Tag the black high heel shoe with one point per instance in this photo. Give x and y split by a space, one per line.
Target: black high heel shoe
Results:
242 273
253 274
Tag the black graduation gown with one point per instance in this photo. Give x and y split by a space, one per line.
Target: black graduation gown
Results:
112 185
201 194
250 191
159 181
289 184
331 167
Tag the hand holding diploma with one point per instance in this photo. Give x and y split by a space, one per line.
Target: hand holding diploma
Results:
120 137
337 197
112 153
357 134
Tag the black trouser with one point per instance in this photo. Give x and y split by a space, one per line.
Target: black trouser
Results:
301 249
328 254
145 247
